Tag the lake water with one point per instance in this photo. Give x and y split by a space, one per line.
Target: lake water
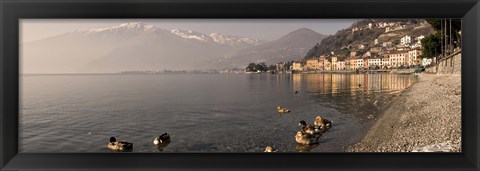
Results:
201 112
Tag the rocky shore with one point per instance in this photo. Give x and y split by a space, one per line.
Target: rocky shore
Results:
424 118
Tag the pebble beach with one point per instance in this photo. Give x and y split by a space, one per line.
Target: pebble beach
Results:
424 118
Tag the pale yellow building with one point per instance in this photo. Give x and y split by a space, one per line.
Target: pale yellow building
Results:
297 66
354 62
385 63
398 58
340 65
414 57
327 65
313 64
374 62
334 60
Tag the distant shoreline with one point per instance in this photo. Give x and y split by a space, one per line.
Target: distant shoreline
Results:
404 71
59 74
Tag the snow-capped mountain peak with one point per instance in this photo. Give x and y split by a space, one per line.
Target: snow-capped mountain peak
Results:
136 26
216 38
189 35
133 29
133 26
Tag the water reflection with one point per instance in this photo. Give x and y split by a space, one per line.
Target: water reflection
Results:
352 84
360 95
297 82
305 148
160 147
194 107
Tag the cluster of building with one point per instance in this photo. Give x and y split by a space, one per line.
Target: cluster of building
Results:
388 26
403 52
389 60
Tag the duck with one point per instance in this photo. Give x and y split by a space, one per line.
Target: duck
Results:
282 110
270 149
162 139
119 145
322 123
306 139
309 129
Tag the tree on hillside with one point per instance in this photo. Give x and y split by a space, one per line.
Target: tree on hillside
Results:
432 44
314 52
252 67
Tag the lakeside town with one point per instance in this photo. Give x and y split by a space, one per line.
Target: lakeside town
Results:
403 53
394 111
395 46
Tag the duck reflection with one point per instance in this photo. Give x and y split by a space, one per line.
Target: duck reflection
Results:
305 148
160 147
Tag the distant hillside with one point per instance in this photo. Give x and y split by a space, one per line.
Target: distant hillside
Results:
360 34
292 46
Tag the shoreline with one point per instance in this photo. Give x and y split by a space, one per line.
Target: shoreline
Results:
426 117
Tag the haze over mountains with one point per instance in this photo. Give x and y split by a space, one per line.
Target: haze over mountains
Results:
292 46
139 46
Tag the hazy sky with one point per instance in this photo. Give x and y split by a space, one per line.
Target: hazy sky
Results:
266 29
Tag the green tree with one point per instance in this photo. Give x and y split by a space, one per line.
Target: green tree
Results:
251 67
431 45
262 66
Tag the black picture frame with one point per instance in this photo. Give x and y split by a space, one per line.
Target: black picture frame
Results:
13 10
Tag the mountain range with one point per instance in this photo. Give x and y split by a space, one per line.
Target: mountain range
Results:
292 46
139 46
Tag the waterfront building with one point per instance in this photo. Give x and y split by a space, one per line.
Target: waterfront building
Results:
354 63
280 66
360 63
372 63
313 64
327 64
340 65
365 63
398 58
413 57
385 62
297 66
321 63
334 61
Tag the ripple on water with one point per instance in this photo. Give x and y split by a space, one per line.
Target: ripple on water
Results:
202 113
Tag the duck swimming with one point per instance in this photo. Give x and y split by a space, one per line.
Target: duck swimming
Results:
270 149
282 109
119 145
323 124
309 129
306 139
162 139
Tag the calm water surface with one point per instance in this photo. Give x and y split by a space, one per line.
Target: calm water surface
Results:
202 112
